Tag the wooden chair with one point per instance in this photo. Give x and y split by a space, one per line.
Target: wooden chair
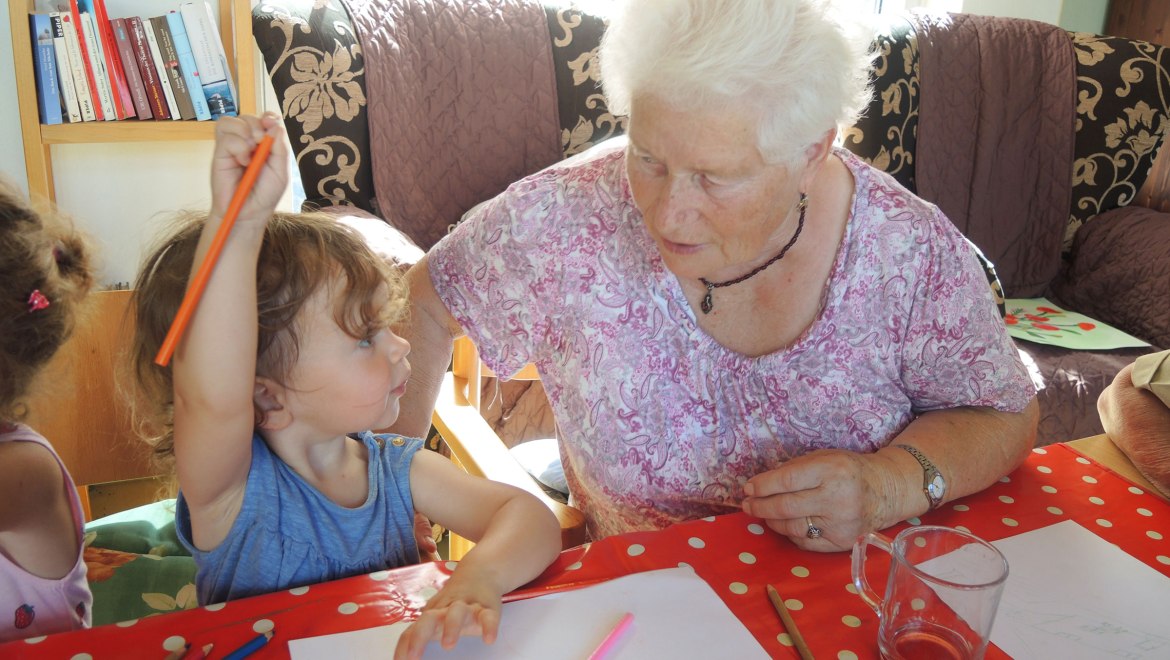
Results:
79 410
477 448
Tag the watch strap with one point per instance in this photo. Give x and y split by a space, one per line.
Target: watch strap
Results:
933 484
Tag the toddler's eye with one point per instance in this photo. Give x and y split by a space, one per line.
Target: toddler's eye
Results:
366 343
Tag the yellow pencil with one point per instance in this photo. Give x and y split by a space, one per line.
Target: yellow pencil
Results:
789 624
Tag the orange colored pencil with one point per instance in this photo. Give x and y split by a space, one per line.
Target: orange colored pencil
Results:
199 282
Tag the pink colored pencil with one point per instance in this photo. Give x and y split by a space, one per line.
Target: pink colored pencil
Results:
199 282
611 640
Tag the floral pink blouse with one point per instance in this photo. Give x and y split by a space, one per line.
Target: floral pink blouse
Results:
658 422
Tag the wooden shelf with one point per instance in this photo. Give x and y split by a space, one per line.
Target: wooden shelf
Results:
128 130
235 26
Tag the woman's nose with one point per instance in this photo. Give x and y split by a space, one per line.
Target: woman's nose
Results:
677 203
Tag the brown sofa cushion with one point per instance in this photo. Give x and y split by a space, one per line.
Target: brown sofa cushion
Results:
1119 272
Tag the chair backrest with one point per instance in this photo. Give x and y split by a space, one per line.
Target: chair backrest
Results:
79 408
456 126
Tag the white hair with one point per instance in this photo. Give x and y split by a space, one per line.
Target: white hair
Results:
801 66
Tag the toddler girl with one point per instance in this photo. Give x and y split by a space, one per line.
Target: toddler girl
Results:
287 362
44 275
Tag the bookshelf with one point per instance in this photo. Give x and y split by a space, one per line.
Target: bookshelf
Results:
235 27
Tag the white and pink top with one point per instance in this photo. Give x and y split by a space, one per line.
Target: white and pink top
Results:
657 421
29 605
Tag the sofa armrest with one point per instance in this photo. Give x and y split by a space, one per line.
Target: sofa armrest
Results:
1117 272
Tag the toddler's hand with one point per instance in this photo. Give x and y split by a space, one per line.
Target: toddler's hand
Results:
235 140
461 608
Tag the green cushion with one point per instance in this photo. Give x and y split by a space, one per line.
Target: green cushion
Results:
137 567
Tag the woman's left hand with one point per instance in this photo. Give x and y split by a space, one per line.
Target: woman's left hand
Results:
841 493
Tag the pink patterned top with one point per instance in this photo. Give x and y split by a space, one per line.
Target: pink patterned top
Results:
659 423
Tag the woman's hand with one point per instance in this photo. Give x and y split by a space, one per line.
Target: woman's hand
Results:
235 141
464 606
842 493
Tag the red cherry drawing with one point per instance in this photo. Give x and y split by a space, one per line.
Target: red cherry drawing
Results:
1011 319
1048 310
24 616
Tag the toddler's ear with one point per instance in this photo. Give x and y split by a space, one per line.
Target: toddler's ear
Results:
271 415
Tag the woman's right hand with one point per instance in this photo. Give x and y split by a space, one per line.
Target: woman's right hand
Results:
236 139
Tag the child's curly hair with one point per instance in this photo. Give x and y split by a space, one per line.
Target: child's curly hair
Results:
40 253
301 253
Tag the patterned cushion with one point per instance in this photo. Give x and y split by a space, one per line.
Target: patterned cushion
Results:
1123 114
584 114
137 567
316 67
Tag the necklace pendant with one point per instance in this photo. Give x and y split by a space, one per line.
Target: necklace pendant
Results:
707 304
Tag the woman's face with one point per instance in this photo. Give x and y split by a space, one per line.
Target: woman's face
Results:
712 204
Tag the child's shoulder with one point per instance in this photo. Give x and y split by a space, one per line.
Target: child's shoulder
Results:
30 475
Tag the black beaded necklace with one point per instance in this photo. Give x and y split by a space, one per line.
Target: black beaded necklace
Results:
708 304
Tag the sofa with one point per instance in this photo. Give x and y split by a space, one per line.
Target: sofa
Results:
1038 143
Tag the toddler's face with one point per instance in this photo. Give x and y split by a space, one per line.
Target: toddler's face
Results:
342 384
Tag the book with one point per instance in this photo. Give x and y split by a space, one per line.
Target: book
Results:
145 61
138 93
103 92
120 89
45 69
77 68
71 109
170 58
187 66
160 66
210 59
83 48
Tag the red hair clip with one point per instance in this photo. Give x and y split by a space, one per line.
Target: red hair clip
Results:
37 300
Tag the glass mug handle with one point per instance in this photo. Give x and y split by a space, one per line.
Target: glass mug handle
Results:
860 581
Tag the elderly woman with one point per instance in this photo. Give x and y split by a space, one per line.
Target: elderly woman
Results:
727 312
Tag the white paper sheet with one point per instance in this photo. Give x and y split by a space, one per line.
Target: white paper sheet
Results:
676 615
1071 594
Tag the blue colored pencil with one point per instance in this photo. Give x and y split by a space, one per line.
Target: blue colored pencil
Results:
251 647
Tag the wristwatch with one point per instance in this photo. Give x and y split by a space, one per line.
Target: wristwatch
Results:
933 484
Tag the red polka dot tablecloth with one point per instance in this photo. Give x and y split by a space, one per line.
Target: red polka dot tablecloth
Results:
735 554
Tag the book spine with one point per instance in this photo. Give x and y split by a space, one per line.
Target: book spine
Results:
77 68
187 66
138 94
210 59
170 56
97 64
45 62
72 109
160 66
121 88
83 47
154 91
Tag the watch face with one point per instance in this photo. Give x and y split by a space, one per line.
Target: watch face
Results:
936 486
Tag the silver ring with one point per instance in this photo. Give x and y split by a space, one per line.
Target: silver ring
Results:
814 532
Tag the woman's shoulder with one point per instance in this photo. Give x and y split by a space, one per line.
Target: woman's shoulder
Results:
590 178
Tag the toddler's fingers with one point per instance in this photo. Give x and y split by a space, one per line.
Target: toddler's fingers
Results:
414 639
489 622
457 615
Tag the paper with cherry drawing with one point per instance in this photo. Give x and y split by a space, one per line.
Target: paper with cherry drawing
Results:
1071 594
1042 321
676 615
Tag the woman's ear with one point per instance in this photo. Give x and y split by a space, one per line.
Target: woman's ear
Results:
815 155
268 400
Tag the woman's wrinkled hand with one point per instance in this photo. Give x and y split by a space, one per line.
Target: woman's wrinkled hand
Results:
842 493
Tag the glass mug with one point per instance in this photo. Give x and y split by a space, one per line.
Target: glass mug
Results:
943 589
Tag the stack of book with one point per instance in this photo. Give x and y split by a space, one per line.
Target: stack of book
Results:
90 67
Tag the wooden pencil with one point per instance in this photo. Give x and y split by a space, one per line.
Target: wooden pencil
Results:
789 624
199 282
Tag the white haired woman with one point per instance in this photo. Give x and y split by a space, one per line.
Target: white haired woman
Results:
727 312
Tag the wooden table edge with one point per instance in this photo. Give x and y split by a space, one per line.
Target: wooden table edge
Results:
1100 448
